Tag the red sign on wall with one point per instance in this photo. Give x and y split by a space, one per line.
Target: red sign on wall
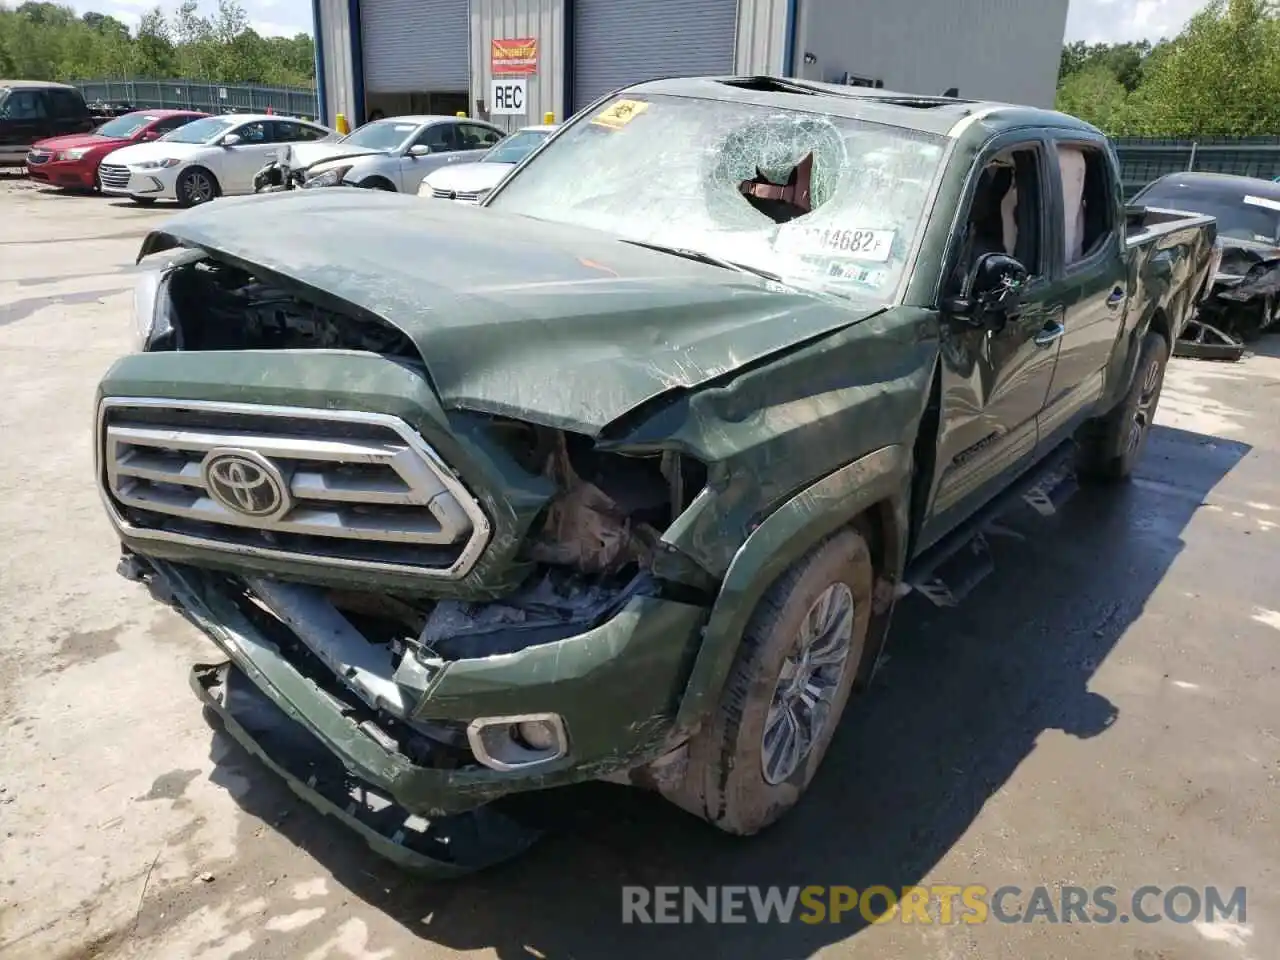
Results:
515 57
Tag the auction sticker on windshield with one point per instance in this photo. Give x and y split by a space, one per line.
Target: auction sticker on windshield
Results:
853 244
620 114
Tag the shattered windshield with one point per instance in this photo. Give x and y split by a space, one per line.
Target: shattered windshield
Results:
822 202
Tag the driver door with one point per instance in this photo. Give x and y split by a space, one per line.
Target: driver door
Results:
442 138
995 382
257 145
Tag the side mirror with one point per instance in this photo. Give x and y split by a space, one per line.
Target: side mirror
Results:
150 135
230 140
992 292
419 150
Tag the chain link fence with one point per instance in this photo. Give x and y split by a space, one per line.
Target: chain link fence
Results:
1143 159
199 95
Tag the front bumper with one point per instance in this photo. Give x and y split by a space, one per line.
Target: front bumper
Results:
617 688
150 182
73 174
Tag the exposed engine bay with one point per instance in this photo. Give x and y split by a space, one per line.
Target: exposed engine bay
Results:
216 306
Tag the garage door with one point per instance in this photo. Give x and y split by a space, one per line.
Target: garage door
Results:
414 45
619 43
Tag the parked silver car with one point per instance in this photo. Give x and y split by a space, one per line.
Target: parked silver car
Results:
394 153
469 182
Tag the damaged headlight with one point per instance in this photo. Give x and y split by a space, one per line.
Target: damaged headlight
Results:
150 302
330 178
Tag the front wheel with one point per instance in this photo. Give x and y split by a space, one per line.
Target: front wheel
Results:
1111 447
785 694
195 186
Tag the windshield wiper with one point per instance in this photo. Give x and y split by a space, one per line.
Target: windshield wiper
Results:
701 257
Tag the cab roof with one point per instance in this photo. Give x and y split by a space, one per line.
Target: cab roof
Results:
35 85
944 116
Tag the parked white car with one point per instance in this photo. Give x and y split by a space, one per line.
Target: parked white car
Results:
395 153
469 182
204 159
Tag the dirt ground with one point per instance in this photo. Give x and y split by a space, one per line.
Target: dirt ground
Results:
1102 711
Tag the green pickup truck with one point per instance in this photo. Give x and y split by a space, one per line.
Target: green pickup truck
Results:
619 475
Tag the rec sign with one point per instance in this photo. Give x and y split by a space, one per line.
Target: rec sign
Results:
508 96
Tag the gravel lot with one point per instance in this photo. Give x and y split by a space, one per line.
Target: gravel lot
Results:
1103 711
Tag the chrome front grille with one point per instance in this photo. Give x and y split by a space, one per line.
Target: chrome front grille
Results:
461 196
330 487
114 176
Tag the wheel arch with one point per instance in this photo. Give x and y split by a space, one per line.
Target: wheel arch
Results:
871 494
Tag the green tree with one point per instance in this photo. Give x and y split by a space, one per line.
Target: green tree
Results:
49 41
1220 77
1094 94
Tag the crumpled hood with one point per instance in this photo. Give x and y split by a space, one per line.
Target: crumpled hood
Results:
73 140
553 324
298 155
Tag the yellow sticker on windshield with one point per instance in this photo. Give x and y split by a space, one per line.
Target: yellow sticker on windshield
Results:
620 114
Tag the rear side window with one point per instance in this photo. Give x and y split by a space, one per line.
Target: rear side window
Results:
1088 214
67 104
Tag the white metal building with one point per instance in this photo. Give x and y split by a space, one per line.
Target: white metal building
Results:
440 56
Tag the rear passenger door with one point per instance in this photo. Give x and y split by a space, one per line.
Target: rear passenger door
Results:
1091 278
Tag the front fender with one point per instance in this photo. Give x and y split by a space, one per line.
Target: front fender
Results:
781 539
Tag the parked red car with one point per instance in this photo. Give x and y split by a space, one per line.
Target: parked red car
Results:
72 161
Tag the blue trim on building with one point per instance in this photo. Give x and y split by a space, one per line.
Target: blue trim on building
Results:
357 63
322 99
570 29
789 60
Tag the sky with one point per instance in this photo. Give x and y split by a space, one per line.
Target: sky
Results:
1091 20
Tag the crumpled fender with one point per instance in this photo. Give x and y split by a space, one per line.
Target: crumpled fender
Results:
880 477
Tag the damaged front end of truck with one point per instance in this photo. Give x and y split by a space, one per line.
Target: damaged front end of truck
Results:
453 560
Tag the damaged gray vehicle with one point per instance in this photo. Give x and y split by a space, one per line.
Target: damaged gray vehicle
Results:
1244 299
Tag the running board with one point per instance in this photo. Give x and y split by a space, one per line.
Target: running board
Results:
948 572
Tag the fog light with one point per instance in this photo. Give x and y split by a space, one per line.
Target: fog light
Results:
538 734
514 743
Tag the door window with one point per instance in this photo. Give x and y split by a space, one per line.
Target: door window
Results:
66 104
476 137
254 133
25 105
439 137
1088 211
1005 214
289 132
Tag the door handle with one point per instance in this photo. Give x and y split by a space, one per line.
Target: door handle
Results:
1116 298
1051 334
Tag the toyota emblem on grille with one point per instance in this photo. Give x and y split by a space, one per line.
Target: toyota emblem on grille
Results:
246 482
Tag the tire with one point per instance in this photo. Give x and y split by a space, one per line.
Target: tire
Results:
726 782
196 186
376 183
1111 447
